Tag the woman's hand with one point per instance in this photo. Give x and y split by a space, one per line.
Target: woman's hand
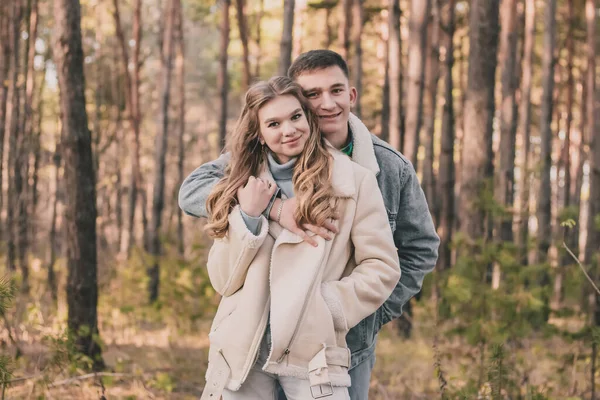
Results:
286 220
255 196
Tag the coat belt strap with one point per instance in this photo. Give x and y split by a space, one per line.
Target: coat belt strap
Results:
318 367
217 378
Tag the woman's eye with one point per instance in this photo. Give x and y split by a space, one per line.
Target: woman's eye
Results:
296 116
273 124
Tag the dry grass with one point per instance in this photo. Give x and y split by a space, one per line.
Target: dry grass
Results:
157 362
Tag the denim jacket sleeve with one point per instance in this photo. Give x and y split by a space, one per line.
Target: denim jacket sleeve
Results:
197 186
417 243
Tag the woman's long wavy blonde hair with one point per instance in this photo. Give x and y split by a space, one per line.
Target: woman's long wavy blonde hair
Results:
311 179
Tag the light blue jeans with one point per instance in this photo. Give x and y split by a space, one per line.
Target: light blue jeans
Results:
261 385
360 377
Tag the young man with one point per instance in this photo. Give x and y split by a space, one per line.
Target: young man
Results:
323 75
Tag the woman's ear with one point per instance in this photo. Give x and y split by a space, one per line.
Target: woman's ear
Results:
261 140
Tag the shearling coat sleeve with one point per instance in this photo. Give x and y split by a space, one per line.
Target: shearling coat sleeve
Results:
230 257
377 269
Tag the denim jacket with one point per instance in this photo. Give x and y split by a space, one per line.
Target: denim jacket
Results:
411 223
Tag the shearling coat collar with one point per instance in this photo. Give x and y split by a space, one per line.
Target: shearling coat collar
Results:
342 175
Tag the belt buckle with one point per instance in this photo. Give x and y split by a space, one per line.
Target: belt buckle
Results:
321 395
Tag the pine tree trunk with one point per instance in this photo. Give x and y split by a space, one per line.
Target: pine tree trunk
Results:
243 29
328 30
180 62
477 166
581 160
222 76
52 285
132 83
357 67
384 133
14 176
593 129
524 128
565 156
258 39
417 45
345 27
285 46
432 76
4 75
447 167
544 231
396 128
508 117
158 198
80 207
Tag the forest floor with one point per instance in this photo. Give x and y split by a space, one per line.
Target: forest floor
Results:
160 351
147 361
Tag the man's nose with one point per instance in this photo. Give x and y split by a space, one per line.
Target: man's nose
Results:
327 102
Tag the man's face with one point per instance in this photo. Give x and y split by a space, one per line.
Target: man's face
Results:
330 96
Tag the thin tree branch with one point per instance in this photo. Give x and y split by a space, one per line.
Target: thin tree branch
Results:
90 375
581 266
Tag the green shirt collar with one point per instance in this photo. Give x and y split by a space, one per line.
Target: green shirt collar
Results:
347 149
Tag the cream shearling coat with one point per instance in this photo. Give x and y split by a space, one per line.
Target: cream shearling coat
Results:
313 295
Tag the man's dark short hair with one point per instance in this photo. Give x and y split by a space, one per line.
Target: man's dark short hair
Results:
315 60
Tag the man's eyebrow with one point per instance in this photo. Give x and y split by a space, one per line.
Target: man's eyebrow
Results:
317 90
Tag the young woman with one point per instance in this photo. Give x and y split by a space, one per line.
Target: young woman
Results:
287 305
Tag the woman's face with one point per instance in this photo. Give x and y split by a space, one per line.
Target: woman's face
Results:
284 127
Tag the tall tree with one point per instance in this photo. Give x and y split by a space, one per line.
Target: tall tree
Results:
447 168
80 207
345 27
158 198
417 42
566 149
524 126
223 76
258 38
132 98
384 132
4 71
582 160
396 128
432 75
477 166
544 231
14 161
285 45
508 116
357 65
180 64
565 156
51 275
591 115
240 7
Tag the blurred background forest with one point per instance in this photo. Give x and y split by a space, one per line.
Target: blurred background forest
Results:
106 105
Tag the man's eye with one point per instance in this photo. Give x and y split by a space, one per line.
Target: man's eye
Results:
310 95
296 116
272 124
337 91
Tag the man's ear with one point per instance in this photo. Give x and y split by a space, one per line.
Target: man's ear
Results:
353 96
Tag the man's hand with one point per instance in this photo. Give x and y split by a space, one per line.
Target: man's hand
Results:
255 196
288 222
